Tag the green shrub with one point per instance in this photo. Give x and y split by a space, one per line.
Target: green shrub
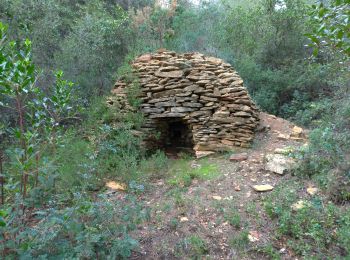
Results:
311 230
155 166
327 156
182 173
194 246
76 164
87 230
240 241
233 217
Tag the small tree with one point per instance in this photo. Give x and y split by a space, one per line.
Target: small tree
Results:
38 117
17 79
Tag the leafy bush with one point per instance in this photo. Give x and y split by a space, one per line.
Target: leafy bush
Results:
81 231
327 156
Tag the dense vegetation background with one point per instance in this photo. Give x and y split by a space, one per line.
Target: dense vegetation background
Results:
58 139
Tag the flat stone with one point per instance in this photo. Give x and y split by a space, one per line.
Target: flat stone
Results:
238 157
205 98
165 115
112 185
200 90
283 151
184 94
169 74
165 104
156 89
263 187
242 114
181 109
217 198
194 77
192 104
203 82
228 142
144 58
152 110
298 139
226 81
168 68
209 104
156 100
283 137
171 92
214 60
201 154
237 82
191 88
221 113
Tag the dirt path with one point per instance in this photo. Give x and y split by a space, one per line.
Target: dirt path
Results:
214 216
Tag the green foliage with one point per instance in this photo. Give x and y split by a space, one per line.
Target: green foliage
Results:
270 251
326 157
76 165
240 241
233 217
155 166
61 98
62 168
332 24
88 40
266 45
17 78
182 173
194 246
190 32
119 152
81 231
91 51
311 230
17 70
38 117
45 179
174 223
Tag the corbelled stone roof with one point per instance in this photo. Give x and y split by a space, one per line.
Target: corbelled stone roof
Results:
205 93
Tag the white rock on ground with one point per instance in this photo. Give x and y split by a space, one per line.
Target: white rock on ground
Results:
263 187
279 163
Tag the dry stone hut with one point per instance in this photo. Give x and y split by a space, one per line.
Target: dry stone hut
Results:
193 101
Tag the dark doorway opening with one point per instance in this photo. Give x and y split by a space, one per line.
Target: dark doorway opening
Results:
179 135
175 135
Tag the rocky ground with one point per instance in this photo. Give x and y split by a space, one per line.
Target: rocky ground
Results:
221 215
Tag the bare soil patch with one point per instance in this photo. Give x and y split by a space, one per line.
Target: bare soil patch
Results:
213 217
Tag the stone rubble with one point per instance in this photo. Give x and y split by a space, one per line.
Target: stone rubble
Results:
205 93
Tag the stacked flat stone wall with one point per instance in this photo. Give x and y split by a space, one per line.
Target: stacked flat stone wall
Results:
202 92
